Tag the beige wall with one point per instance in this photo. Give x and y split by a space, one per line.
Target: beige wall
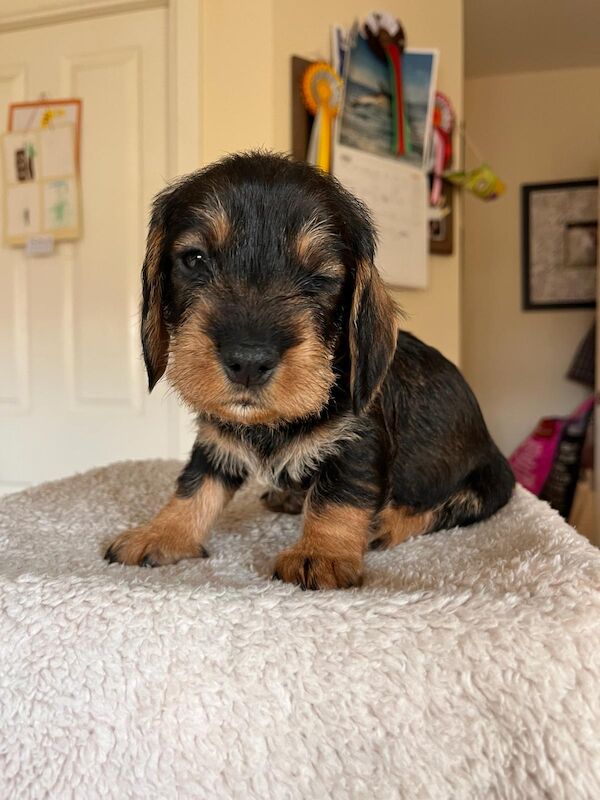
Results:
246 100
531 127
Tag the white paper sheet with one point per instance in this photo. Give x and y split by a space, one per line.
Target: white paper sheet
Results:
23 209
396 194
60 204
57 147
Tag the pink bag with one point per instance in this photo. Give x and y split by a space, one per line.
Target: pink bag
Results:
533 459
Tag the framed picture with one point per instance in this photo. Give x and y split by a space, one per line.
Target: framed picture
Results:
560 244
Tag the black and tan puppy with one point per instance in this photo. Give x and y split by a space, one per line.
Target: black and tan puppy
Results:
262 302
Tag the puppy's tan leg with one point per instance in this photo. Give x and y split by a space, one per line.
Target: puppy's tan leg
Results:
329 555
176 532
394 525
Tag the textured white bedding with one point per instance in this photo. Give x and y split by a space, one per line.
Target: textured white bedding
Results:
468 665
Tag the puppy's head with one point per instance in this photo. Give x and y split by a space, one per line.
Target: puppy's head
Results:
260 294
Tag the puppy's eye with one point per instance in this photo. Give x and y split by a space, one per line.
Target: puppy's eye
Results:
193 261
320 284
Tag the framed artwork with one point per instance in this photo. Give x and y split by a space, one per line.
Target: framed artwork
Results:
559 244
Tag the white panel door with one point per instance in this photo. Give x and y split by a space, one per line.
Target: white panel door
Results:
72 386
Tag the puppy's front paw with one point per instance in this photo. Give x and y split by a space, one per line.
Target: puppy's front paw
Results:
148 546
317 572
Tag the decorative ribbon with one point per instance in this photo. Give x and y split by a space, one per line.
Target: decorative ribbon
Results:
321 92
386 38
443 125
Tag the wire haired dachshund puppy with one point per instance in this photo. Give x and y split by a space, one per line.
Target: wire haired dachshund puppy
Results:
262 303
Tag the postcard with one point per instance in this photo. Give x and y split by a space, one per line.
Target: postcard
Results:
366 119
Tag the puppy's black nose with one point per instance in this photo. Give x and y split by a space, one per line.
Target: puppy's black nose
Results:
249 364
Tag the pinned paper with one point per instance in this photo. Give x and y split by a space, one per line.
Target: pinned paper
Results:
22 212
396 193
41 185
39 246
57 151
41 114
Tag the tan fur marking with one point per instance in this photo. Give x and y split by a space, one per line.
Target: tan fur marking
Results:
311 240
466 500
154 332
154 245
329 555
189 240
362 275
396 525
384 310
217 221
336 531
299 387
194 369
177 531
302 381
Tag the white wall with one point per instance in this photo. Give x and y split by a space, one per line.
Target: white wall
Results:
531 127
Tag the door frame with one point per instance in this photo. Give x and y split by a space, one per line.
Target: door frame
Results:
184 100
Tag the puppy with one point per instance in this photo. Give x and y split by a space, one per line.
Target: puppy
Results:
262 304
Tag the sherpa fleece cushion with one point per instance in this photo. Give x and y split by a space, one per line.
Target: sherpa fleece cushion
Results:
468 665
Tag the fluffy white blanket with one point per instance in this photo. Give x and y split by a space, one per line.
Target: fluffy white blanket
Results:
468 665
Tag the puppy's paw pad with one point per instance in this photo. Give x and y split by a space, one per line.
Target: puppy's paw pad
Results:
317 572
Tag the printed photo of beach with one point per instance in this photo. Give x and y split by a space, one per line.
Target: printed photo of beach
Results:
366 119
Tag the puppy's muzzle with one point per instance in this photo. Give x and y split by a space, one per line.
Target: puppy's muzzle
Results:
249 364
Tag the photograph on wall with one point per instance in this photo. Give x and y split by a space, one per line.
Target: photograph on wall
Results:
560 244
366 118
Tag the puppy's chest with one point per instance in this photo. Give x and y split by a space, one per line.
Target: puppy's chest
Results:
279 462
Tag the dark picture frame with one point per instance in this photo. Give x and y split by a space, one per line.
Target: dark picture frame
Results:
559 222
441 234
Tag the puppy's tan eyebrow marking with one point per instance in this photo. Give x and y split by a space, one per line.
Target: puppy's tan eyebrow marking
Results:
190 240
216 220
311 239
311 246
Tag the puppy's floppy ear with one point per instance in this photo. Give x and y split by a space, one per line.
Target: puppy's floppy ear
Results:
373 318
373 334
155 336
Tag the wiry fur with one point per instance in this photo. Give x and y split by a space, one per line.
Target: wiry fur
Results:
261 294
